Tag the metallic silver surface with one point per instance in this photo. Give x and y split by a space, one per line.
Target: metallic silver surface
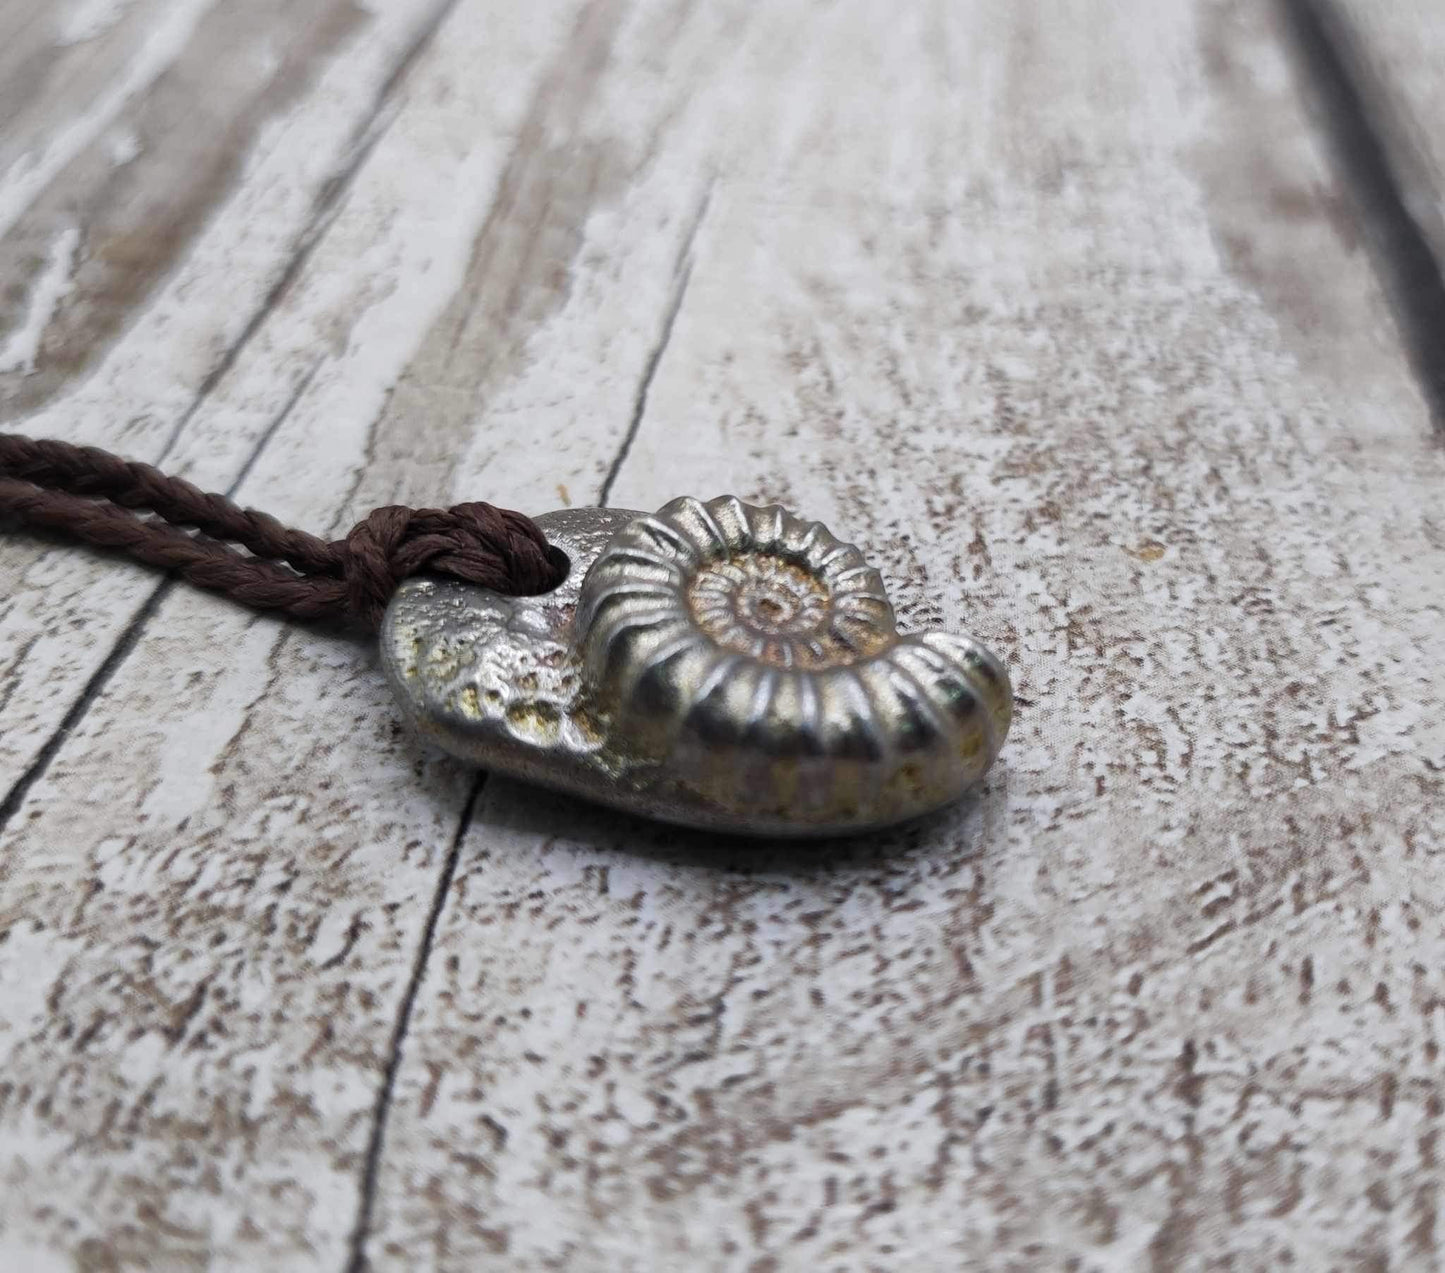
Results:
715 664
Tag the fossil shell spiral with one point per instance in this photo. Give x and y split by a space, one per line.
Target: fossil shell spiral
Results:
759 654
715 664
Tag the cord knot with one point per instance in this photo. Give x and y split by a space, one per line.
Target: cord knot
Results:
476 543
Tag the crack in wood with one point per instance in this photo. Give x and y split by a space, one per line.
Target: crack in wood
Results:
682 274
369 130
1353 116
357 1261
132 632
364 138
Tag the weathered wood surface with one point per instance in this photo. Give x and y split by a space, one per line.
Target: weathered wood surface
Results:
1066 321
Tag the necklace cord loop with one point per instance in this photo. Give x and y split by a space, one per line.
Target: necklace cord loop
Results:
99 498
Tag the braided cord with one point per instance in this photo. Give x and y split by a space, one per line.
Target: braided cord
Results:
98 497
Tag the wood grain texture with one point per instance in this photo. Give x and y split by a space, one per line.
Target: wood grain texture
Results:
1099 370
227 916
1065 321
186 317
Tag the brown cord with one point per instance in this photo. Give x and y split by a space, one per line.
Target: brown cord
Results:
90 494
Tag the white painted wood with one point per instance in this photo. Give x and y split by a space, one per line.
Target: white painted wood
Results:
139 333
1061 320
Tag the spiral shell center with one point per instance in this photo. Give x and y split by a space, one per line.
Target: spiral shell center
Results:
766 606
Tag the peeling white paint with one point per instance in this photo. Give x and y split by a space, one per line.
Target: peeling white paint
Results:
22 347
32 172
86 19
124 147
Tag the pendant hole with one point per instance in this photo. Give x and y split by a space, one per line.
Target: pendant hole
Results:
561 563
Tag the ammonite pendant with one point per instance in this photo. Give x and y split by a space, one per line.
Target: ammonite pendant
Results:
714 664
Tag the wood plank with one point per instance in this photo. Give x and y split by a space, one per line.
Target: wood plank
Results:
211 901
112 222
1095 368
1398 54
1066 321
180 130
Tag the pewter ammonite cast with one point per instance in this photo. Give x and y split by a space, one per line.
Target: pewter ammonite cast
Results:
716 664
